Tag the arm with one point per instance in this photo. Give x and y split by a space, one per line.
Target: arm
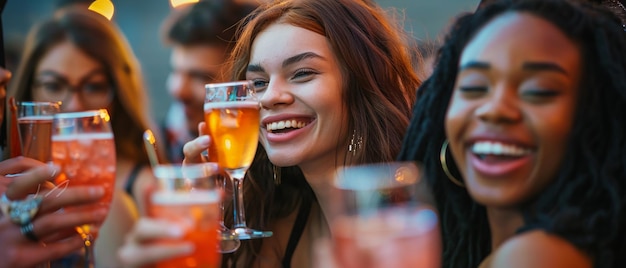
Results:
121 219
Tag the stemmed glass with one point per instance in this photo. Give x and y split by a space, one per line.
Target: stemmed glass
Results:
229 242
232 115
84 148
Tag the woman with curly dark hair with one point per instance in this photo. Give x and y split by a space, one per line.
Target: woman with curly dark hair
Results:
521 132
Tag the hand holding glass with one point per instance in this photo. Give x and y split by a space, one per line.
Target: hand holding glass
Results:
232 117
187 195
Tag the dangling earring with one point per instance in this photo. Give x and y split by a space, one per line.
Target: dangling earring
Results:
355 143
277 172
444 165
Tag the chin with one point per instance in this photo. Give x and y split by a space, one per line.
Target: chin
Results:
492 198
282 161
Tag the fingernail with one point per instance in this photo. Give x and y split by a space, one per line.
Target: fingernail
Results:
100 212
188 248
175 231
204 140
96 191
54 170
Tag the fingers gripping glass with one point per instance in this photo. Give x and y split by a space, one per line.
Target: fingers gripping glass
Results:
232 117
94 94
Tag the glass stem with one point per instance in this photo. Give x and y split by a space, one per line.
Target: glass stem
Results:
236 177
89 254
222 184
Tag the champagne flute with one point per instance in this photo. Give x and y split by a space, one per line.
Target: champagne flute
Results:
232 115
84 148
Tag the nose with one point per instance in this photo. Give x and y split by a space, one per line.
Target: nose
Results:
74 103
276 94
500 106
179 86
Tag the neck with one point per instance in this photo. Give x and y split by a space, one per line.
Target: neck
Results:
322 184
503 223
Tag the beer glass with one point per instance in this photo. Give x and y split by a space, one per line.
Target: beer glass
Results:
34 121
84 149
232 116
186 195
381 219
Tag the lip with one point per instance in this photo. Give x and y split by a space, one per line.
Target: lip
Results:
285 137
503 167
498 169
499 138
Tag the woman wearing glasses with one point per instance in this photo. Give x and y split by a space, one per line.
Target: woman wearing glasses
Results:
83 60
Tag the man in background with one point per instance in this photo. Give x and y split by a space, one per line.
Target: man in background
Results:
201 36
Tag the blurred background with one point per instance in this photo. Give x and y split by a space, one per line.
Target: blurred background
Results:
141 20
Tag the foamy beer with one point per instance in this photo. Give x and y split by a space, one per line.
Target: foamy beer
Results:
35 127
187 196
233 123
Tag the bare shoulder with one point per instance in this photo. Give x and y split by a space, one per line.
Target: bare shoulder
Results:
539 249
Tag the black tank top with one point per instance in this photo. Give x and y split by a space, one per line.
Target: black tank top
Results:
296 231
132 177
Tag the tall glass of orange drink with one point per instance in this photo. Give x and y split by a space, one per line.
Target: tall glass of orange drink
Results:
232 116
84 149
187 195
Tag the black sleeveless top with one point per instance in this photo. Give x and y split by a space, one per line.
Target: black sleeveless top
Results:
132 177
296 231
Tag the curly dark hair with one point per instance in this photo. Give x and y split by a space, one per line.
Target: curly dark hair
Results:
585 203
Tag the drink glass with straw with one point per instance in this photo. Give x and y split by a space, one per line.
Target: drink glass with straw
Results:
186 196
228 244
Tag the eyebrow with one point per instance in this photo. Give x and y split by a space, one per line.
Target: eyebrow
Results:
475 65
289 61
543 66
529 66
62 77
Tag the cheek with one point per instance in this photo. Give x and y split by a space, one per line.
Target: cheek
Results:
456 115
555 135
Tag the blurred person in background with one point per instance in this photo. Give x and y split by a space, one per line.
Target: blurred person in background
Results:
201 36
80 58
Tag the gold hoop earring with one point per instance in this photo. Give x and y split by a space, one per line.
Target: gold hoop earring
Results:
444 165
277 175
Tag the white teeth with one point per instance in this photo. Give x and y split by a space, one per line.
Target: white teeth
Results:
497 148
285 124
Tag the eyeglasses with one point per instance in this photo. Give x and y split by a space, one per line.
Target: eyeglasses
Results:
94 95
